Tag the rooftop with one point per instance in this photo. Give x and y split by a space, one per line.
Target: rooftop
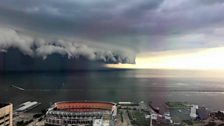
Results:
4 104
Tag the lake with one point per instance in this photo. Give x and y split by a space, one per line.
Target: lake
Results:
157 86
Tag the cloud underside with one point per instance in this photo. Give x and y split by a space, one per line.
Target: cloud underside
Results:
9 38
115 30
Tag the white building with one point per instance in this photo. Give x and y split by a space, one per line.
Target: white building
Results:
6 115
193 113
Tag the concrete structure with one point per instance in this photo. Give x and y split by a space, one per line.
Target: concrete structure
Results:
125 103
6 114
101 122
193 114
27 106
114 110
80 113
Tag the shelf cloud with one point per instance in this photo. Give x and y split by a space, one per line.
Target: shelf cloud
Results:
110 31
9 38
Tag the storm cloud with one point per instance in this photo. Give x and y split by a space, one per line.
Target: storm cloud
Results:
134 25
9 38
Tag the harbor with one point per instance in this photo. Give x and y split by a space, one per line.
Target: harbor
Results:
26 106
122 114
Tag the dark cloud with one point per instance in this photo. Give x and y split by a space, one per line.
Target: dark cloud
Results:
9 38
140 25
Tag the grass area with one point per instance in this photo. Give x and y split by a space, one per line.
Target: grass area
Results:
178 104
137 118
24 123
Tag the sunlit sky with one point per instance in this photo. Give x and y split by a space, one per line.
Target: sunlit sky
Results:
200 59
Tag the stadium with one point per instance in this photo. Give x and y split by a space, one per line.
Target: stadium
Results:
81 113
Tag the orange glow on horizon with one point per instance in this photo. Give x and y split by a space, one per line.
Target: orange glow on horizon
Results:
201 59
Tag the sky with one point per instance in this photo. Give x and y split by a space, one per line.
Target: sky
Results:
172 34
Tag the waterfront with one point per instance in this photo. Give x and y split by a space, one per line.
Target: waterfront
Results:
128 85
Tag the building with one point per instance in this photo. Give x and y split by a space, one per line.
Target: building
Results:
193 113
81 113
202 113
179 114
6 114
125 103
27 106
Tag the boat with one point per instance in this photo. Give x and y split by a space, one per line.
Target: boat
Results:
16 87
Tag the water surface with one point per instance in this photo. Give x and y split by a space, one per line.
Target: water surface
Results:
157 86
